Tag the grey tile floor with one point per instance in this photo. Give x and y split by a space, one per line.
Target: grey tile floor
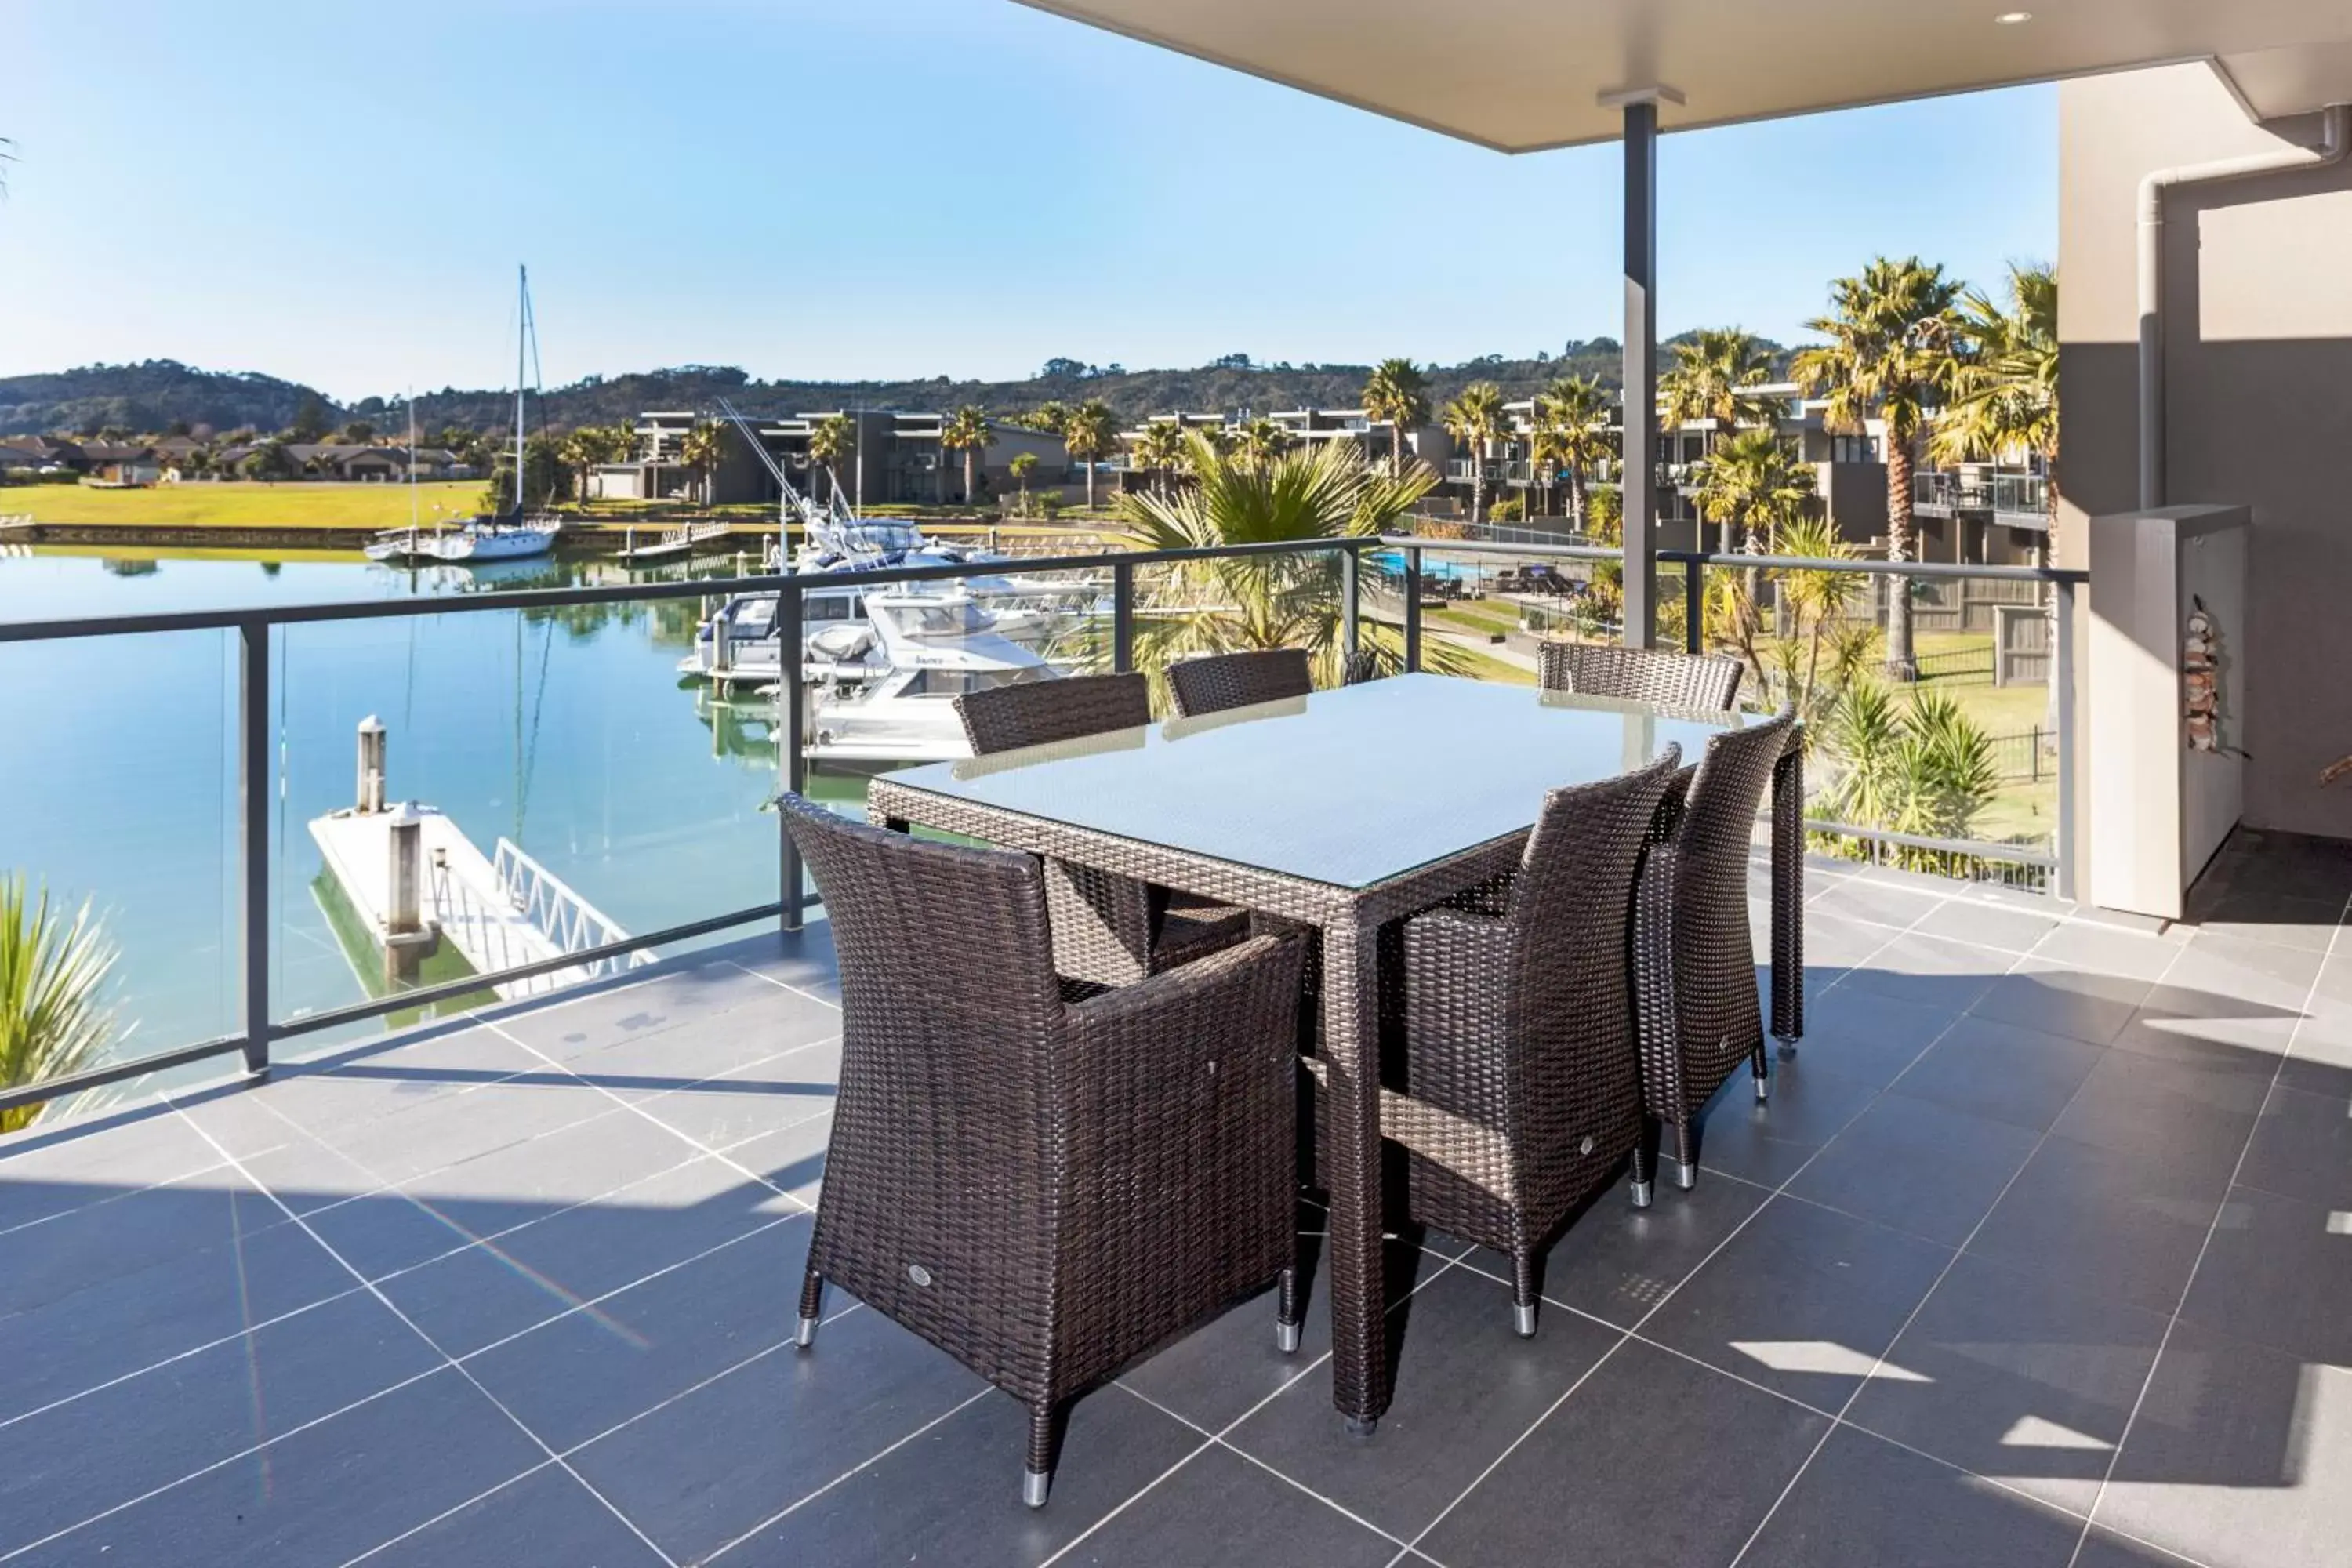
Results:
2039 1256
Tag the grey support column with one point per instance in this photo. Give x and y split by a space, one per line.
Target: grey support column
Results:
1639 478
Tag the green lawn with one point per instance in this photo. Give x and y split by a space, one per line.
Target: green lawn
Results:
1478 618
241 505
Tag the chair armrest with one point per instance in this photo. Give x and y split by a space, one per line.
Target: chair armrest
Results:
1200 1001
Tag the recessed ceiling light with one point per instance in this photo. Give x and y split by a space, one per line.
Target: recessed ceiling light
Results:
2012 18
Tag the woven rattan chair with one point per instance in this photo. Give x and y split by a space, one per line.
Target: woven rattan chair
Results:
1040 713
1109 930
1043 1189
1225 680
1694 961
1659 677
1359 667
1524 1090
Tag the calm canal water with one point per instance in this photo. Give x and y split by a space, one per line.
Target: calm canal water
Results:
566 731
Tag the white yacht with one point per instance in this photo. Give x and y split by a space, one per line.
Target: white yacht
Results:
888 696
503 536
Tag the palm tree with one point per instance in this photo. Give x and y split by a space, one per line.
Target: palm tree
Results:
1890 353
1753 482
968 433
1268 601
1396 392
1023 464
1087 431
701 450
52 1022
833 438
1052 416
1261 441
1472 420
1713 380
1163 449
2004 398
1575 409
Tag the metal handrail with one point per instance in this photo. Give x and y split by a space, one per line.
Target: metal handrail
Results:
257 742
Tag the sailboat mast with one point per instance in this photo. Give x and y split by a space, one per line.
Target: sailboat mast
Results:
523 336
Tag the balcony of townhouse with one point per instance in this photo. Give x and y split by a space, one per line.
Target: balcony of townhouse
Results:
2007 497
522 1271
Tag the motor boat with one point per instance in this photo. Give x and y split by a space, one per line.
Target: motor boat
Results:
890 697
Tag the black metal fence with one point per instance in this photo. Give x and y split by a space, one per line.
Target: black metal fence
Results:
259 1028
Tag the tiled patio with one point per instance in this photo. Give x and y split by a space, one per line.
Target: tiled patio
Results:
2040 1255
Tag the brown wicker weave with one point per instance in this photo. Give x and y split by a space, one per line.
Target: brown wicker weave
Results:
1693 960
1659 677
1043 1190
1040 713
1350 1102
1198 686
1524 1090
1107 930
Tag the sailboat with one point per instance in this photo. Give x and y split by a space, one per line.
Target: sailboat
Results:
491 536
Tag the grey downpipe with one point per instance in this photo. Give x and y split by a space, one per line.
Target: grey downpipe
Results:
2335 122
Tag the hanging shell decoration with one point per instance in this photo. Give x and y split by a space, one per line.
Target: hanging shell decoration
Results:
2200 682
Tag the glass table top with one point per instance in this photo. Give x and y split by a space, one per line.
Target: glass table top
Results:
1348 787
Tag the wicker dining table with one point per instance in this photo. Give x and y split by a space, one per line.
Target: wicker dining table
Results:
1342 811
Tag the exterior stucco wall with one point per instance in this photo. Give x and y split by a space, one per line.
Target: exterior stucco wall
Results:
2258 303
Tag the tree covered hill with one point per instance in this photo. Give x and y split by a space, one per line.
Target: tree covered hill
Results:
160 395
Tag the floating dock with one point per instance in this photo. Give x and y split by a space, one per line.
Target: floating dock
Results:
415 880
673 542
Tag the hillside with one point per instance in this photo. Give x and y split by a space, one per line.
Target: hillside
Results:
158 393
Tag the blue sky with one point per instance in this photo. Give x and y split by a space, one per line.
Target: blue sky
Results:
808 188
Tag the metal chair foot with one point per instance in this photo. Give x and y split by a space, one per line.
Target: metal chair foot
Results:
1286 1338
1763 1092
1685 1176
1642 1193
1523 1319
1034 1484
1362 1425
805 1335
1787 1047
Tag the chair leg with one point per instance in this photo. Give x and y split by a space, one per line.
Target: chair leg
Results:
1645 1162
1759 1062
1523 1295
811 1307
1685 1155
1286 1314
1038 1479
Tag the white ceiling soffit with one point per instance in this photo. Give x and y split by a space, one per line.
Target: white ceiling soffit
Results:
1521 75
2279 82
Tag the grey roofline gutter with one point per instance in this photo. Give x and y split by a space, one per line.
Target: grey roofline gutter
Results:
2336 134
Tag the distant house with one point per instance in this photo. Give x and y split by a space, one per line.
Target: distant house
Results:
38 452
440 463
119 463
349 462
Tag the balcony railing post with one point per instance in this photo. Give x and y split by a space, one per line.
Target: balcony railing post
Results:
1412 610
253 780
794 694
2063 672
1694 607
1122 616
1351 562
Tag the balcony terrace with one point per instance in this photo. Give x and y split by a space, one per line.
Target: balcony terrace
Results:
2037 1257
